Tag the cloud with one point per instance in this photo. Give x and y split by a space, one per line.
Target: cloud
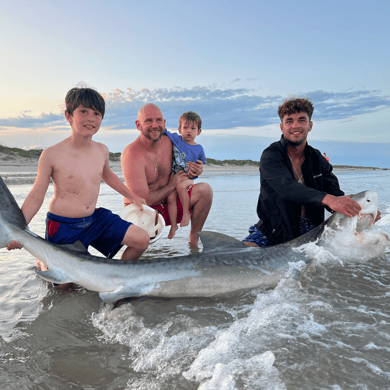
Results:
231 108
220 108
329 105
24 121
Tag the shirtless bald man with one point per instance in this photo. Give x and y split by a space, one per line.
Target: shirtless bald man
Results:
146 166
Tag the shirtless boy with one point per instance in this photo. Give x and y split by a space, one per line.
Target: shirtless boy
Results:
77 165
146 167
185 149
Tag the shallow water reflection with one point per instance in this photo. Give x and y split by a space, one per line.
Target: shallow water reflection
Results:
329 330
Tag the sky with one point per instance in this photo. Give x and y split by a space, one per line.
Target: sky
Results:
232 62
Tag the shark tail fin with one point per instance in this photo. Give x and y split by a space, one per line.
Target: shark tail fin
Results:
9 209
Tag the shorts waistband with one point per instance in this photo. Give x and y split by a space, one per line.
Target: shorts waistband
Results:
58 218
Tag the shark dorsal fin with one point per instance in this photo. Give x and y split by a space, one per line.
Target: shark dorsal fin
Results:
213 241
78 246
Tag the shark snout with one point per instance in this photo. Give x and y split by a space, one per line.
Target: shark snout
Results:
369 204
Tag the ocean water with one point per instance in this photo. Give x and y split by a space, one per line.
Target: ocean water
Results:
329 330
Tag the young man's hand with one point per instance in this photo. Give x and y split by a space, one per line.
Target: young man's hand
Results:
342 204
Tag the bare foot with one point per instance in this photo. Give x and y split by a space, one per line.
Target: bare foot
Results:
194 249
172 232
185 220
193 239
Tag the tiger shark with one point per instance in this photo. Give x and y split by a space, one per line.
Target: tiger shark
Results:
225 264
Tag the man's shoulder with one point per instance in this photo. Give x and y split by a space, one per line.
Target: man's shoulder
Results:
132 147
314 152
316 160
275 147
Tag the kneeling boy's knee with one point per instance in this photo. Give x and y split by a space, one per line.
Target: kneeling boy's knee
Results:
136 238
143 240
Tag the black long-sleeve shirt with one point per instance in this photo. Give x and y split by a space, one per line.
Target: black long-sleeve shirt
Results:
281 196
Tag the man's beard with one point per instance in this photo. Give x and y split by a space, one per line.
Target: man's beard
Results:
150 138
295 144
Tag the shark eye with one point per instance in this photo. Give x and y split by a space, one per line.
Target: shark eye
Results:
368 200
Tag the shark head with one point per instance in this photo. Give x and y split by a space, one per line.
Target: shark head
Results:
368 201
350 238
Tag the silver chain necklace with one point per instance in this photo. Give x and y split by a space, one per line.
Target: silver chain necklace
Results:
298 178
147 155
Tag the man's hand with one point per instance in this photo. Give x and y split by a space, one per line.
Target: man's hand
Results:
195 169
14 245
342 204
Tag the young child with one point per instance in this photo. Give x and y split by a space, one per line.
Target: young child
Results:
184 149
77 165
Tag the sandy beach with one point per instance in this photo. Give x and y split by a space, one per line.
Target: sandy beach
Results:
19 170
23 170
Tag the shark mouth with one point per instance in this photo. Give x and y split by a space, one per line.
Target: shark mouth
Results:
370 216
365 221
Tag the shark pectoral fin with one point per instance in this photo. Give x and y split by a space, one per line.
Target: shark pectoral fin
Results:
52 277
213 241
113 296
